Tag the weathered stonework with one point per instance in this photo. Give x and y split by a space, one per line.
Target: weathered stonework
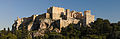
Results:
88 18
55 17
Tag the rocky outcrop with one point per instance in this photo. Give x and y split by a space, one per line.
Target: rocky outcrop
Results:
43 26
55 19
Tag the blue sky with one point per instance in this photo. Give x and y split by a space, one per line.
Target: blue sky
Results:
10 9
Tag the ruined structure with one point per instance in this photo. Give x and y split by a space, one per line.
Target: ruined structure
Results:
56 17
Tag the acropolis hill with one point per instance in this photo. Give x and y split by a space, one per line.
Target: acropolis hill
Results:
56 17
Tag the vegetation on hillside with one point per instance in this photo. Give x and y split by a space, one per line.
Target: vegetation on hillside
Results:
100 29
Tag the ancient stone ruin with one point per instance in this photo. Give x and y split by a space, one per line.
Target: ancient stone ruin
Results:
56 17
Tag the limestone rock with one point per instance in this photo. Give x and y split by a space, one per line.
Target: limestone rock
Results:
43 25
56 17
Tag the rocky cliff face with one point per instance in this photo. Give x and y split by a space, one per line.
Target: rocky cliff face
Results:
31 23
37 22
55 19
